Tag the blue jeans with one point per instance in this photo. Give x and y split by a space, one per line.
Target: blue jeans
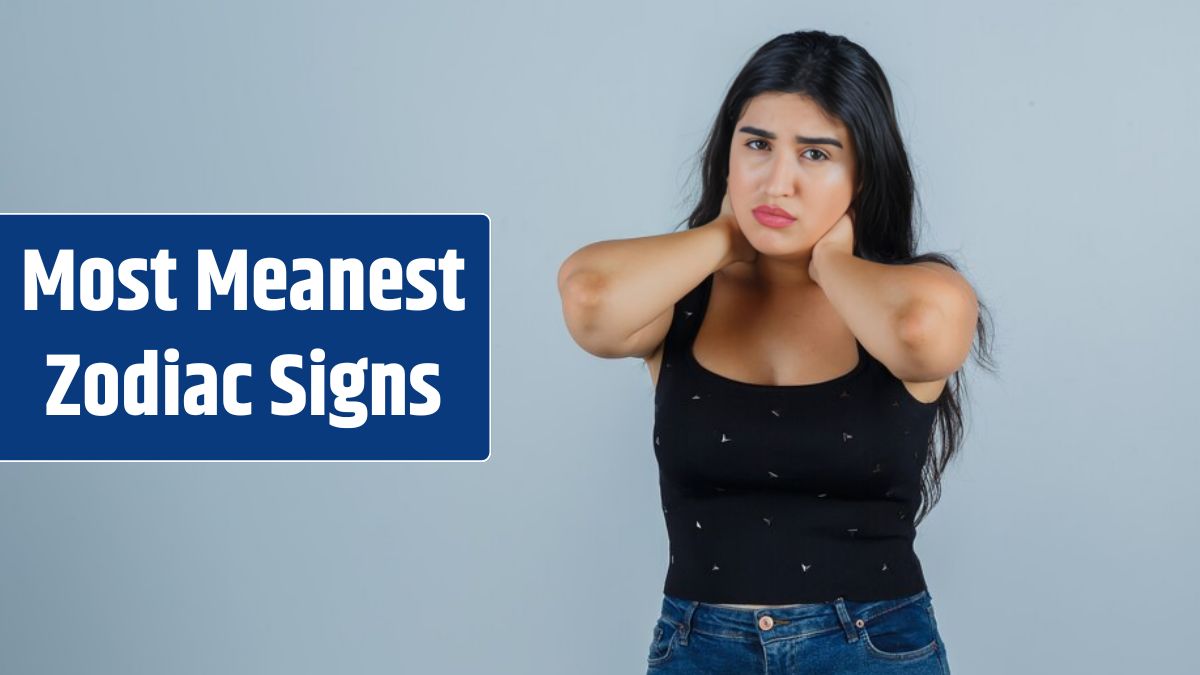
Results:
886 636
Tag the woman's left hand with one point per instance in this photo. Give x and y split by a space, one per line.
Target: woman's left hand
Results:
840 237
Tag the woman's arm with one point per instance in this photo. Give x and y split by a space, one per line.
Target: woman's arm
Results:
618 295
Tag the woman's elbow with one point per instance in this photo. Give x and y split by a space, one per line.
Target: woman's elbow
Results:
583 294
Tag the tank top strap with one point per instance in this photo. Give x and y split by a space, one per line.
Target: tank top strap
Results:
688 314
863 353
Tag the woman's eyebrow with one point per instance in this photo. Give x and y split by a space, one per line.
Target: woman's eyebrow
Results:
810 140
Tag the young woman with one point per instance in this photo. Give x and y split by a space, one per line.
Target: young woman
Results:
802 355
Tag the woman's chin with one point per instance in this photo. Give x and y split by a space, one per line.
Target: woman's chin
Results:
783 252
775 244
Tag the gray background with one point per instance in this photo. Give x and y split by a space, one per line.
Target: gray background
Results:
1055 151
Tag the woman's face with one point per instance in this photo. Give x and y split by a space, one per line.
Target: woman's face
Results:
811 177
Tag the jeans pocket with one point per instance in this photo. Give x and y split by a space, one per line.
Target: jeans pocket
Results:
663 642
901 634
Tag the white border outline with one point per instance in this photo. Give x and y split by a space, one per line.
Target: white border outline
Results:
286 213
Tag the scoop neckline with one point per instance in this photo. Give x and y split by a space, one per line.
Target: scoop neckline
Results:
858 368
689 348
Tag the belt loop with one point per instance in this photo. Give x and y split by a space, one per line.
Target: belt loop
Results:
844 617
686 626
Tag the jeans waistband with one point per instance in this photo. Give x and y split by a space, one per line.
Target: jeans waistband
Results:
779 622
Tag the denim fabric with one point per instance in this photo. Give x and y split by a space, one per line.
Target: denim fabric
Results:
841 636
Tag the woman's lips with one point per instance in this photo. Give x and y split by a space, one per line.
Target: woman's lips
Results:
772 218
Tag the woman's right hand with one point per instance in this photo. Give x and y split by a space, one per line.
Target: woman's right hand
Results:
740 249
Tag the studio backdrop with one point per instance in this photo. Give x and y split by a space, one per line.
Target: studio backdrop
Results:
518 528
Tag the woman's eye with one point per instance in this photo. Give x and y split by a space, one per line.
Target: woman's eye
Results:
821 156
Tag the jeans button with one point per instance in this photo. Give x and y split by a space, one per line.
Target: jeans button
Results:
859 623
766 622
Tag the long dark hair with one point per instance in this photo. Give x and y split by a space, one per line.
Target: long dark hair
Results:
844 80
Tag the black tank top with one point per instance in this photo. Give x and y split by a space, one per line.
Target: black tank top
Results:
786 494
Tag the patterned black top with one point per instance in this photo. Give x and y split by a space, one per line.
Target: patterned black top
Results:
786 494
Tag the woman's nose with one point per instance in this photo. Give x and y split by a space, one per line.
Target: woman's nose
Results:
781 181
